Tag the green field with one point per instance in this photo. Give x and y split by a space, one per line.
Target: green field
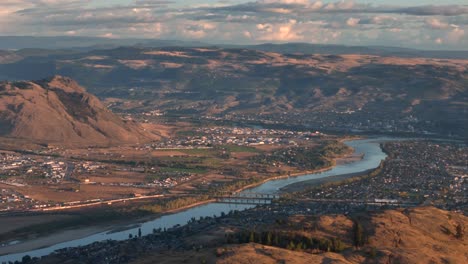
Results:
184 170
236 148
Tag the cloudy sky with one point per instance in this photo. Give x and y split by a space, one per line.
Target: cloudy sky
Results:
424 24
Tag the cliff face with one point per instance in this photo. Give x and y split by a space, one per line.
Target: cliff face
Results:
58 110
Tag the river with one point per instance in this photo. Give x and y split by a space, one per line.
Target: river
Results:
373 155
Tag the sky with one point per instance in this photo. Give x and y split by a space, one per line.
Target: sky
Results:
423 24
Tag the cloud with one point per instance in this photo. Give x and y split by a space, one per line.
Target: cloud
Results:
435 23
382 19
455 35
448 10
280 32
352 22
301 2
339 22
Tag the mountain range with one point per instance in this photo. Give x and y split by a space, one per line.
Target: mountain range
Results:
220 81
93 43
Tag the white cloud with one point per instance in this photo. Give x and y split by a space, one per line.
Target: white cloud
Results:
455 35
265 27
109 35
352 22
435 23
315 5
280 32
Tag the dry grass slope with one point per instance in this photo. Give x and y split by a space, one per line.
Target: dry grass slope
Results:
58 110
419 235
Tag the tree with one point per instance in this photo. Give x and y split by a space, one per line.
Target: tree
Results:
252 237
299 246
291 245
325 245
337 245
268 239
26 259
358 236
276 239
460 231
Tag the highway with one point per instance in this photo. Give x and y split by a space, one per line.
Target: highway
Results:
108 202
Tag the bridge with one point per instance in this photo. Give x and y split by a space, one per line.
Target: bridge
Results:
247 198
262 198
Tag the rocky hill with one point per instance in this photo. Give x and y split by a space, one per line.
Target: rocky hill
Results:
58 110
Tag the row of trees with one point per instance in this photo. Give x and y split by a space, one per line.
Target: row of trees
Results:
288 240
173 204
300 157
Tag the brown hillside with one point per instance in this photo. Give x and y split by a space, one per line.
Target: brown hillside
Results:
58 110
418 235
259 254
403 236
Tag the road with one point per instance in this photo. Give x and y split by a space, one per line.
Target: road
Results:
109 202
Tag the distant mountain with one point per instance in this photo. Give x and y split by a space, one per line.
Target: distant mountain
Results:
84 44
58 110
305 48
219 81
9 57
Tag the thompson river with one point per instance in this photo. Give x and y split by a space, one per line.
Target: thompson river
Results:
372 156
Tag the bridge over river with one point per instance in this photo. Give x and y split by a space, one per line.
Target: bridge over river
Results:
247 198
263 198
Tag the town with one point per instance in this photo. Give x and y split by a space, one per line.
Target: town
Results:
75 171
419 172
350 121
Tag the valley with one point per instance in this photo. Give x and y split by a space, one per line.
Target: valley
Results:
170 130
233 132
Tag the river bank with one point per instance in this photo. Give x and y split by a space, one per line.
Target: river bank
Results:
295 187
60 236
45 241
371 158
347 157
